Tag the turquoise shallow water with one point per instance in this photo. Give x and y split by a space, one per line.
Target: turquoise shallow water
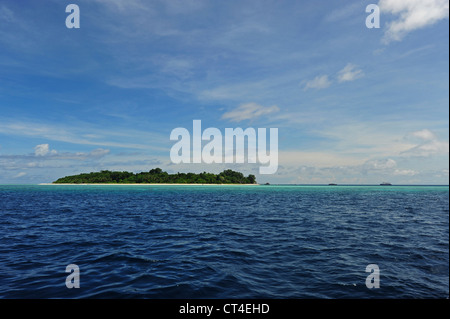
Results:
224 241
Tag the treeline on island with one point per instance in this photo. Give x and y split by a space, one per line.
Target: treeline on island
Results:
157 175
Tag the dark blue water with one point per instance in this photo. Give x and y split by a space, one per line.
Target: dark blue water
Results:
224 241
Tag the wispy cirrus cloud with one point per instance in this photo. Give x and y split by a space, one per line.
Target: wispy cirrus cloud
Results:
349 73
82 135
147 66
6 14
412 15
29 167
319 82
427 144
42 152
249 111
21 174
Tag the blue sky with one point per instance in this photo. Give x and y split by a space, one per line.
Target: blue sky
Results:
352 104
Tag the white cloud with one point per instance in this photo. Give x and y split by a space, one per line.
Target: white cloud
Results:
46 163
424 135
178 67
6 14
85 135
412 15
344 12
99 152
183 6
294 158
381 164
319 82
427 144
249 111
43 149
349 73
430 148
315 168
21 174
129 6
405 172
368 139
247 89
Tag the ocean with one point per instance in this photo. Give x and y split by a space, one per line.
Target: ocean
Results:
274 242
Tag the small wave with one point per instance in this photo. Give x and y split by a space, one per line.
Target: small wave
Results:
124 257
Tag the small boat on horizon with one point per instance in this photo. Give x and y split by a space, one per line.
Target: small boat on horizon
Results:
385 184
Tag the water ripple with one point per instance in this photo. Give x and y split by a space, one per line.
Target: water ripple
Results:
212 242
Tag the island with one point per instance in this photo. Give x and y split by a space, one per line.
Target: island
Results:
157 176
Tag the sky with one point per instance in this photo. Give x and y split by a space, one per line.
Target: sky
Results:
352 104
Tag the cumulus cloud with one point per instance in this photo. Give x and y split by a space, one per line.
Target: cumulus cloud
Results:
412 15
424 134
249 111
319 82
349 73
380 164
43 150
405 172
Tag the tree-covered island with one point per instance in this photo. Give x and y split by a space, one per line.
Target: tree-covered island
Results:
156 176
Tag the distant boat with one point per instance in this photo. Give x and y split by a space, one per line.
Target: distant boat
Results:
332 184
385 184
